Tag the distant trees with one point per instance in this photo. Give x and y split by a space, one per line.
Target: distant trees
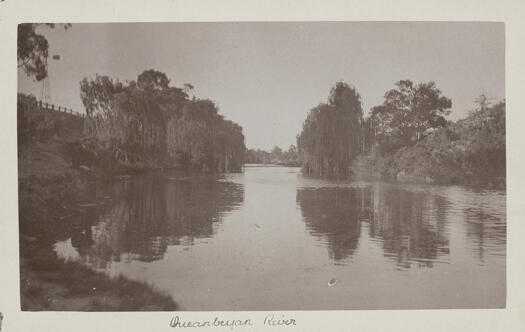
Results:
151 122
276 156
330 138
257 156
33 49
291 155
276 153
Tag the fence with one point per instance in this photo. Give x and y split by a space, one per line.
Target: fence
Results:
57 108
33 104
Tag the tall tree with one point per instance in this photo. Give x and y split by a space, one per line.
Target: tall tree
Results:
33 49
330 137
203 140
151 122
409 112
97 95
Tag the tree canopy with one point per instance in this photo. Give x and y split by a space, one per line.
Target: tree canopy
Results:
329 140
409 112
149 121
33 49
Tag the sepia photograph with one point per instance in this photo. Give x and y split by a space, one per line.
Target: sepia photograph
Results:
248 166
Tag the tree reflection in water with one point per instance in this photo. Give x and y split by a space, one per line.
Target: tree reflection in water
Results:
409 225
333 215
486 230
148 214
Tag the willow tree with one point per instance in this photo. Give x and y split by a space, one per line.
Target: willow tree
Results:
330 138
98 97
202 139
131 119
151 122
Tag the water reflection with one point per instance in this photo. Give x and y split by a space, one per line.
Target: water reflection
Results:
389 245
486 231
410 226
332 214
148 214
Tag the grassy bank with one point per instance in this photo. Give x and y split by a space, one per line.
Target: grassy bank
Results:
49 193
49 283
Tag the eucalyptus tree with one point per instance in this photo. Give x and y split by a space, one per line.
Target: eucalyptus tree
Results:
408 114
33 49
151 122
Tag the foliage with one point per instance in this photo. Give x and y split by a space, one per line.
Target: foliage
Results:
97 95
148 121
33 49
202 139
330 138
472 150
406 137
276 156
407 115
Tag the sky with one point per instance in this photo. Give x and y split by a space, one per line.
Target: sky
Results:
266 76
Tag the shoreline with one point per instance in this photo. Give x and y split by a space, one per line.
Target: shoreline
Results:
361 168
48 283
49 192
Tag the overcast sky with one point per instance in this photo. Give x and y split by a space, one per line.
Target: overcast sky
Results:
267 76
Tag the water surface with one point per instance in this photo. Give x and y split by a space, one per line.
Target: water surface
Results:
271 239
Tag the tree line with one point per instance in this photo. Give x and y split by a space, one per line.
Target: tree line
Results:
276 156
148 122
407 134
144 122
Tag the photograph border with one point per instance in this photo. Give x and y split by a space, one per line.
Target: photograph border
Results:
511 13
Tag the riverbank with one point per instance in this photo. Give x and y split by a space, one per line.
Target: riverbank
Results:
420 169
469 152
49 194
48 283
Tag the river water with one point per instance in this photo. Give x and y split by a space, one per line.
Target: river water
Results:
272 239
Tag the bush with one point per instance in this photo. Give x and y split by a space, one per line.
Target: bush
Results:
470 151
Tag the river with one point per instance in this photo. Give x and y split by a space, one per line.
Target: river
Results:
272 239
